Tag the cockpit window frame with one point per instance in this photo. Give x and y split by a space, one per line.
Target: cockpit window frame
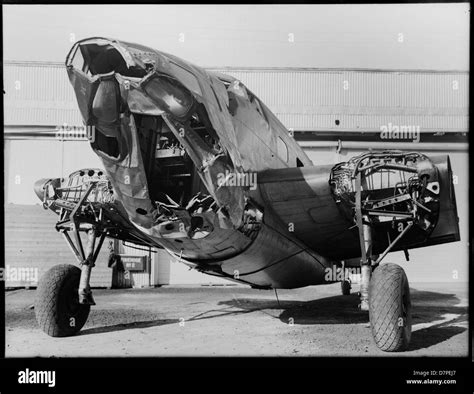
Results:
282 143
185 74
259 107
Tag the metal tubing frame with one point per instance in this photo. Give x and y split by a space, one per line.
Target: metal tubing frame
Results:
365 239
395 241
87 257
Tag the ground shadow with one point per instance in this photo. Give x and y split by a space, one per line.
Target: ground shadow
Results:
329 310
433 335
127 326
427 307
210 314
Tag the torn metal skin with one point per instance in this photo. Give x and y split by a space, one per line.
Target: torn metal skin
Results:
119 88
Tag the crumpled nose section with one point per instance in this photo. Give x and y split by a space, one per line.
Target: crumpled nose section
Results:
106 106
85 89
115 140
176 92
107 136
99 101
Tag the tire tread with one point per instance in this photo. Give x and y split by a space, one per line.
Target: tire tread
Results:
387 286
47 299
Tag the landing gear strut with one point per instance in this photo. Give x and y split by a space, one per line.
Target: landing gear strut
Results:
86 259
387 194
386 294
84 291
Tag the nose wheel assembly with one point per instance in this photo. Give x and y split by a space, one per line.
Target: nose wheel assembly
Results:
85 204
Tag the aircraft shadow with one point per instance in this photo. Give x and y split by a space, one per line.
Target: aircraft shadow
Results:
160 322
330 310
427 307
127 326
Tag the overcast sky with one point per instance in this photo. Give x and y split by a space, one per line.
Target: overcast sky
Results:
407 36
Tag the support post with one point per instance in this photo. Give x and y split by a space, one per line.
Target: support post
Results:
85 294
365 238
366 268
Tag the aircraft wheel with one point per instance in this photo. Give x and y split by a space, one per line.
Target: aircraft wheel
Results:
390 308
57 307
346 287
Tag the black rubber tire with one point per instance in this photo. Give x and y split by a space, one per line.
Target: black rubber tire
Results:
57 307
390 308
346 287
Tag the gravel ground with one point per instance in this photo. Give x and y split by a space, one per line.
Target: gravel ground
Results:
238 321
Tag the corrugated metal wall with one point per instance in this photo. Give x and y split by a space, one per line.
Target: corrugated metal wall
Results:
303 99
362 100
38 94
32 244
28 160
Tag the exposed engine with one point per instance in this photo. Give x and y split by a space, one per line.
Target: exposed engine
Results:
394 187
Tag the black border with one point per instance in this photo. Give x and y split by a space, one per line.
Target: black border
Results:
320 374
